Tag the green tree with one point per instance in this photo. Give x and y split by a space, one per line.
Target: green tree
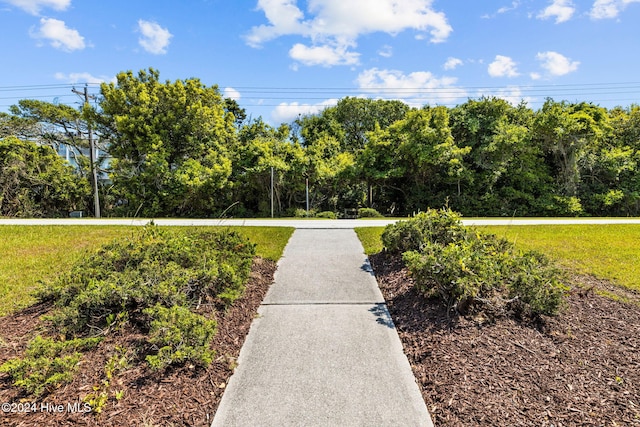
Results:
58 126
507 171
567 131
610 182
260 148
416 158
36 182
169 143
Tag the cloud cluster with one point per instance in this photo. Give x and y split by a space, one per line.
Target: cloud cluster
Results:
556 64
416 88
286 112
553 63
503 66
561 10
155 39
334 26
59 35
83 78
607 9
564 10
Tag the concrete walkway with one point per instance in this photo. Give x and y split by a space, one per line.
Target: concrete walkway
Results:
324 350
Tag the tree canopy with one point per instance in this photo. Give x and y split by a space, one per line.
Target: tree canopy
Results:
180 148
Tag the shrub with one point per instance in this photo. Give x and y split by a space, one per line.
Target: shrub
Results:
433 226
460 272
470 270
302 213
327 214
368 213
537 282
151 281
154 267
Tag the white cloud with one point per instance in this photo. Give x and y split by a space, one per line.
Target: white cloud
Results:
231 93
326 56
34 6
511 94
155 39
386 51
287 112
416 89
556 64
503 66
561 10
59 35
505 9
338 24
535 76
607 9
452 63
83 78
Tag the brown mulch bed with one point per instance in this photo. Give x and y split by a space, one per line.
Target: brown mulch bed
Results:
581 368
184 396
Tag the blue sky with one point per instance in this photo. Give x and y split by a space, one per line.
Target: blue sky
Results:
281 58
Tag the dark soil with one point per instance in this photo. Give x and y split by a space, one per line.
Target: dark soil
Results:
581 368
183 396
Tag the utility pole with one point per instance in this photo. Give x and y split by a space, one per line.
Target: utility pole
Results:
271 191
92 153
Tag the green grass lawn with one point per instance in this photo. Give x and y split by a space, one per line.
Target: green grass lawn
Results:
607 251
30 254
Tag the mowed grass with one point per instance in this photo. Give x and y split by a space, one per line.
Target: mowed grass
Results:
31 254
606 251
609 251
370 237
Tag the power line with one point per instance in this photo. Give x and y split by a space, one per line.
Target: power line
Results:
255 96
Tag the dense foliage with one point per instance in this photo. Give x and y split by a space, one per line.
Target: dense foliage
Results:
181 149
155 281
36 182
473 271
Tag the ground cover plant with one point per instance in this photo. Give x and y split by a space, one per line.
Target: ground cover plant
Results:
578 367
132 316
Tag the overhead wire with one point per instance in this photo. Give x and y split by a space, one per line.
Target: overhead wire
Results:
277 96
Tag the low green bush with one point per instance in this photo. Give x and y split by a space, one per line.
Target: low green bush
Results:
153 267
326 214
302 213
180 335
152 281
472 271
47 363
435 226
368 213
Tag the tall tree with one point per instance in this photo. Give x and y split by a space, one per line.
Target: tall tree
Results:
261 149
416 158
169 143
567 131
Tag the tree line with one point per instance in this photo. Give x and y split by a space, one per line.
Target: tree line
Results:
180 148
